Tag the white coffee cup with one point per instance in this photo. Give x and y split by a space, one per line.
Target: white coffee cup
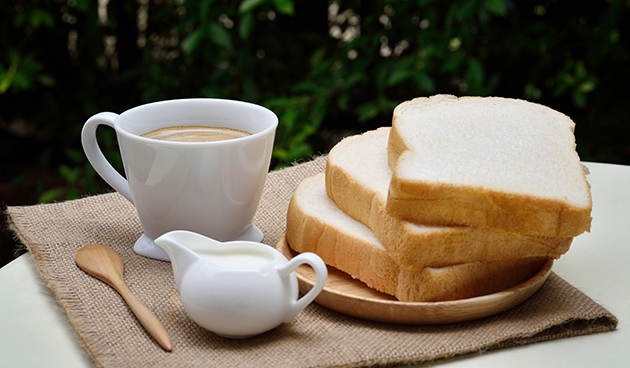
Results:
211 188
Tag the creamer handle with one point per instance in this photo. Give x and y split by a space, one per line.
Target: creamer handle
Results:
96 157
321 273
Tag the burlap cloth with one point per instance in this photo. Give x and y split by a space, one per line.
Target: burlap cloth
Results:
316 337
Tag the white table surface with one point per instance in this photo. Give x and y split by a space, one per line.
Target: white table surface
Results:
35 332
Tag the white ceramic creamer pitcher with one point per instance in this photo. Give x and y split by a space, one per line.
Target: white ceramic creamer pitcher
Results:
237 289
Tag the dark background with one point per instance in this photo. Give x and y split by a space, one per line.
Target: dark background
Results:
328 69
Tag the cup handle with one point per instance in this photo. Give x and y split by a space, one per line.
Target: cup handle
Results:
321 273
96 157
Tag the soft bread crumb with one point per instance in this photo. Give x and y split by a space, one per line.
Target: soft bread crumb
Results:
489 157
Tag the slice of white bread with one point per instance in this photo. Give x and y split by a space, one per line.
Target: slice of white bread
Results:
487 162
357 180
315 224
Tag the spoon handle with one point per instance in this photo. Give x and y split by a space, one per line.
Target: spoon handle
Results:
147 319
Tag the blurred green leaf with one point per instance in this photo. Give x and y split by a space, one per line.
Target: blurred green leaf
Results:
21 81
219 35
46 80
453 62
322 68
403 69
249 5
192 41
531 92
398 76
475 76
468 9
23 71
381 76
83 5
305 87
284 6
614 35
41 17
70 174
316 57
580 70
6 77
51 195
75 155
491 84
343 100
250 90
204 9
281 154
289 117
579 98
318 113
497 7
367 111
424 81
353 79
34 19
560 89
246 25
586 87
568 79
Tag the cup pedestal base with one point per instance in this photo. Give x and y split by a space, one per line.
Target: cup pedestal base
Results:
145 247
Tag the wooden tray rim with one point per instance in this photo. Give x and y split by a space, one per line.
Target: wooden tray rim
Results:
443 312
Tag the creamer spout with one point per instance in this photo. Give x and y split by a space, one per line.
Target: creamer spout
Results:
181 257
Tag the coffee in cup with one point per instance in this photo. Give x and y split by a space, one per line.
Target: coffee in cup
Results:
195 134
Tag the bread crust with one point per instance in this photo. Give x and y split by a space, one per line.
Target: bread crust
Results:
368 261
414 246
444 203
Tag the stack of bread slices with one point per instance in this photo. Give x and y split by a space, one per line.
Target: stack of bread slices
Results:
460 197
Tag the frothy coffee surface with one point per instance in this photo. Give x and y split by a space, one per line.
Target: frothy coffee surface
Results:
195 134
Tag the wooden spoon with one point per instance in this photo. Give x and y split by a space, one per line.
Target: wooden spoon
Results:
106 265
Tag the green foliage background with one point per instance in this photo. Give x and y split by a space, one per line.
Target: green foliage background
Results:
327 69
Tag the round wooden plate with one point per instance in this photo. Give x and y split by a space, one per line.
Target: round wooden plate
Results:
352 297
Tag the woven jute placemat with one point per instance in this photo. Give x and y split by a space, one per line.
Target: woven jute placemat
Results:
317 337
